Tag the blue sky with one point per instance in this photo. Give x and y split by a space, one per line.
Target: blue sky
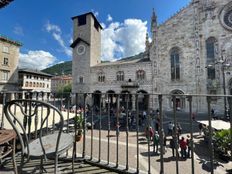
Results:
44 27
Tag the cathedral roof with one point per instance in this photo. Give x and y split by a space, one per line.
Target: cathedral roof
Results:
141 57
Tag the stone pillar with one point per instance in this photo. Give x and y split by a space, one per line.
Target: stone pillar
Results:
133 102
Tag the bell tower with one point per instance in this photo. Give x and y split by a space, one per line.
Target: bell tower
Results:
86 50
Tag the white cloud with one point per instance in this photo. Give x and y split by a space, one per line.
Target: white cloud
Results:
18 30
56 33
39 59
123 39
109 18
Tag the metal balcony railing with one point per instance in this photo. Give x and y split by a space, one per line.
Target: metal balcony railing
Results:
117 136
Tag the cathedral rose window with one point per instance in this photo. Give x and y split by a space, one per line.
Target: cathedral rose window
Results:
226 16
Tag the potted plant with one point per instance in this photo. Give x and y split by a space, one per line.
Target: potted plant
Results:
78 126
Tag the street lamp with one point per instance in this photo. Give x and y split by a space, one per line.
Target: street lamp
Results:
224 64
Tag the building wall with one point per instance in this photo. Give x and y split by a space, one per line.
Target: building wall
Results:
9 50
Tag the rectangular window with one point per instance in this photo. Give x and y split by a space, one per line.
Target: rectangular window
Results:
210 50
96 25
5 49
5 61
175 67
81 20
211 73
5 75
81 80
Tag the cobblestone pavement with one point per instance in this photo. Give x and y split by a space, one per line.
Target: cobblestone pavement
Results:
201 154
201 150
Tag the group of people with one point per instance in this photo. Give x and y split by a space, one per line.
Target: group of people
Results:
184 145
155 138
171 129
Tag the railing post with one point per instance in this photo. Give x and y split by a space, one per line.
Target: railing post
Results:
210 136
137 131
230 115
3 104
127 134
191 132
100 126
84 125
176 139
149 138
161 135
92 112
109 116
117 127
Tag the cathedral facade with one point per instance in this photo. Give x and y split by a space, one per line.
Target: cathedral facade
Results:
190 53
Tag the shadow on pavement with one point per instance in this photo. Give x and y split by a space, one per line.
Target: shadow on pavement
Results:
202 151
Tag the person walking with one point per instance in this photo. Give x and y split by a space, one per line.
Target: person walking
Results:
170 128
200 126
156 142
183 147
172 146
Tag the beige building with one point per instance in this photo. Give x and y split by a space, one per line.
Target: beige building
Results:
58 82
190 53
34 81
9 57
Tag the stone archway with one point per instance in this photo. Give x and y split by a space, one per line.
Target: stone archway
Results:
97 100
180 101
126 99
143 100
111 99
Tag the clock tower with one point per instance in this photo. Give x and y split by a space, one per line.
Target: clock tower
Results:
86 50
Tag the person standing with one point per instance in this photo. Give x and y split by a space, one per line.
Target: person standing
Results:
170 128
156 142
200 126
183 147
172 146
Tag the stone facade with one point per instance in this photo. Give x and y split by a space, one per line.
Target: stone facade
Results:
177 61
9 57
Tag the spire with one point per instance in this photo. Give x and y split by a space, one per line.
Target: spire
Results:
153 23
147 42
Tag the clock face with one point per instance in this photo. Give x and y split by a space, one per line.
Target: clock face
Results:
80 49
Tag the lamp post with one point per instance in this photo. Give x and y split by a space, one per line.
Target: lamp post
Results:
224 88
224 64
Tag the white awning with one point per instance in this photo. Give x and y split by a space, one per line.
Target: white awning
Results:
217 124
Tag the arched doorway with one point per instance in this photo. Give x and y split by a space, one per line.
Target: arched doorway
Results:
111 100
97 100
180 100
143 100
126 99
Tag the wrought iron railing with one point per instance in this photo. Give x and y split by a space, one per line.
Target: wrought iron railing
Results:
116 129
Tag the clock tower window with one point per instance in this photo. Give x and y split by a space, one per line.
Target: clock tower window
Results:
81 20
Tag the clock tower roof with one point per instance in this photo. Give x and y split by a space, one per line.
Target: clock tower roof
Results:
77 41
89 13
